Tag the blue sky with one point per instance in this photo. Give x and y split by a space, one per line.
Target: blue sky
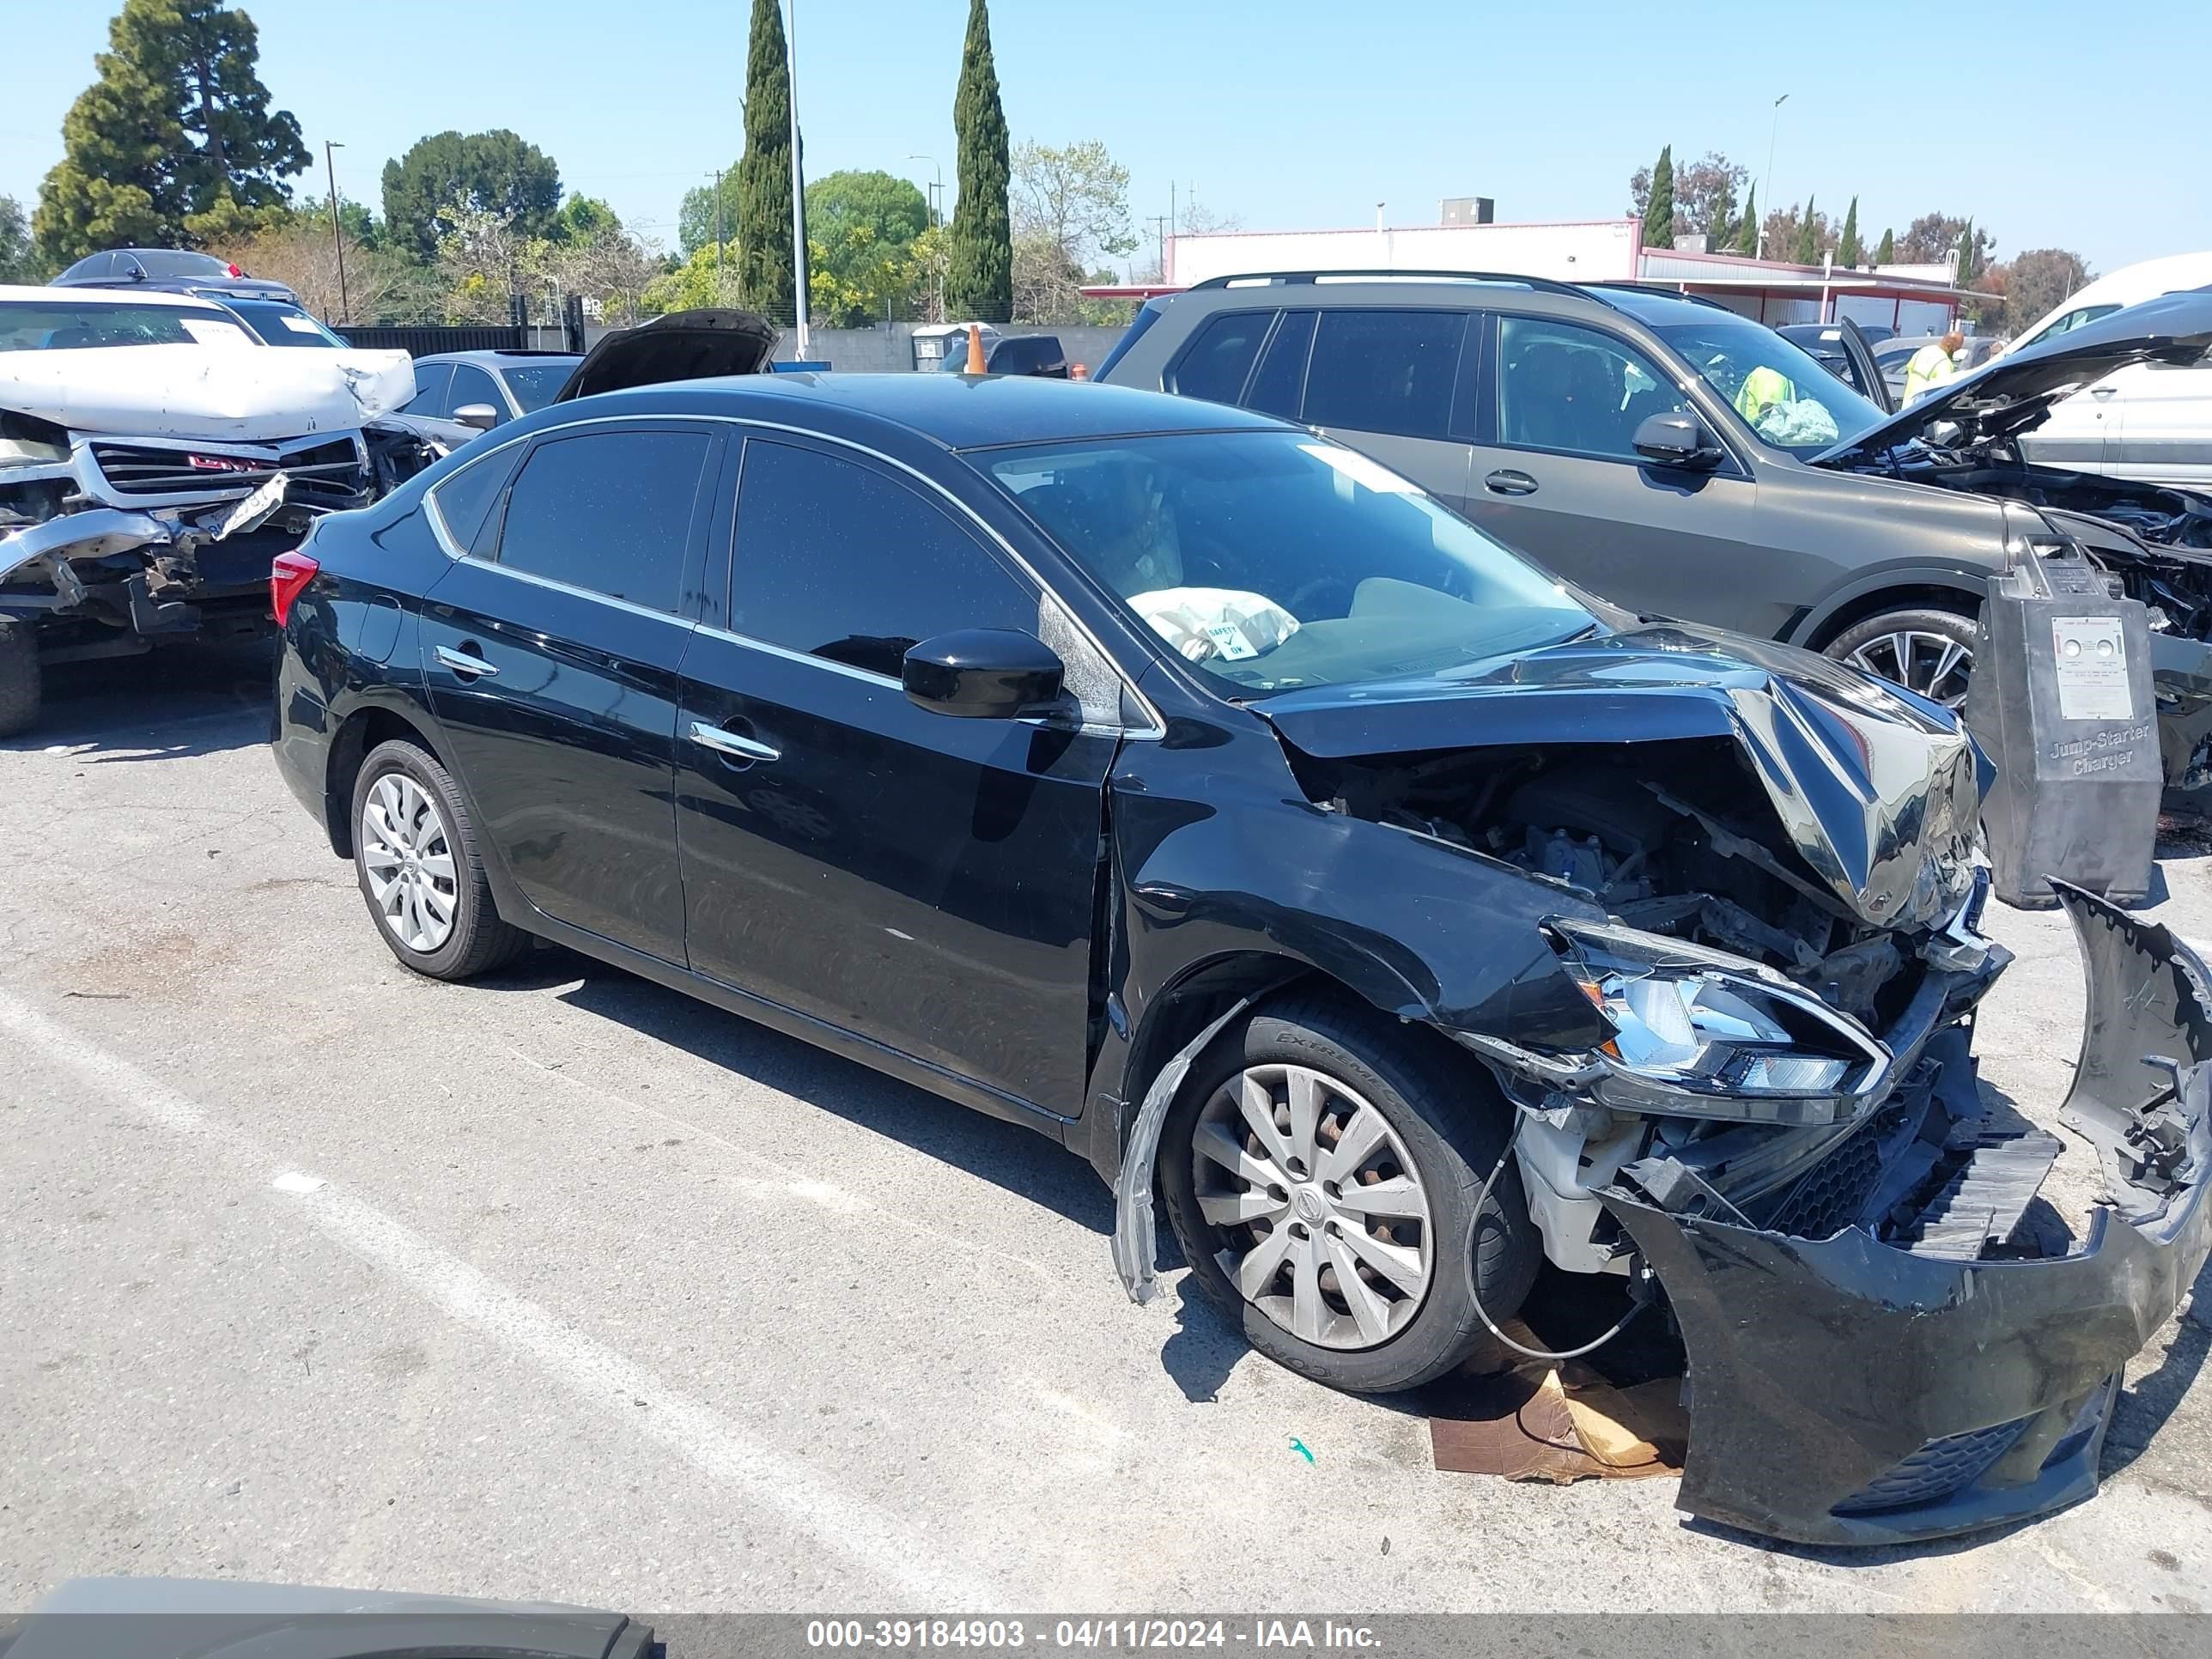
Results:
1291 115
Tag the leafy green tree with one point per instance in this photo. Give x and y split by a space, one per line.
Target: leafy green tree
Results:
19 263
766 277
1807 250
582 218
860 229
177 119
449 174
980 277
1850 251
1745 240
697 222
1885 254
1659 210
1929 240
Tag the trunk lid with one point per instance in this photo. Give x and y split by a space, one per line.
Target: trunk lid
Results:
684 345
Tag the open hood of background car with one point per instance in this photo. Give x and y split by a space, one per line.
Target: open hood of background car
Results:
1875 790
684 345
2011 394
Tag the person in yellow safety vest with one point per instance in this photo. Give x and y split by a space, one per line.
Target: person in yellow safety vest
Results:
1932 365
1761 389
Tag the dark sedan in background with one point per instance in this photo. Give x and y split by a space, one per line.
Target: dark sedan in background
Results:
1204 795
171 270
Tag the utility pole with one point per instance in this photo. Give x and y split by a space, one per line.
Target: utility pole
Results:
936 218
798 178
1160 231
337 241
1773 127
718 233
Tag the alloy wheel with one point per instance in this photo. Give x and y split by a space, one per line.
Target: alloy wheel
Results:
1322 1223
1933 664
408 855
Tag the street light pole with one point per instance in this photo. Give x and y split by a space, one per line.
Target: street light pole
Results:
1773 127
337 241
936 217
798 179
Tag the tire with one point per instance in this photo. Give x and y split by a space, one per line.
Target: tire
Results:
1928 638
19 676
422 834
1450 1123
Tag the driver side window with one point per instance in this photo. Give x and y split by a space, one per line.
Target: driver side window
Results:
1575 390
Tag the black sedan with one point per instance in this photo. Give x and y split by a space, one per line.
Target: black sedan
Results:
1199 793
172 270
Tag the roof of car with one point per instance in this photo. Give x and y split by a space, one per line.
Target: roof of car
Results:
103 297
962 411
500 359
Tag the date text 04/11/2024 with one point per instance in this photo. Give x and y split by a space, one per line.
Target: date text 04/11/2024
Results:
1277 1634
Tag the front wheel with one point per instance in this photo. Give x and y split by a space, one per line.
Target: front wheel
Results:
1320 1171
415 853
1930 652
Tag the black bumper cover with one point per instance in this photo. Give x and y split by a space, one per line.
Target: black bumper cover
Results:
1849 1391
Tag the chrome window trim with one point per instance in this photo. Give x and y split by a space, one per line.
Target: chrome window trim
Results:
559 586
1153 731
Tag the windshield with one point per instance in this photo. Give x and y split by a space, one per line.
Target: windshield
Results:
59 325
1271 560
1784 395
535 387
280 324
167 264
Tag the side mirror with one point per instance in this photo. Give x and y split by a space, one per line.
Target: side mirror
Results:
483 417
1676 439
982 673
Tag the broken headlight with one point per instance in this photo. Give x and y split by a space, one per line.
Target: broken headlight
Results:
1698 1033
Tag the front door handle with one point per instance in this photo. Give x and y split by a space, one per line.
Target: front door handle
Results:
2102 391
723 741
466 663
1509 483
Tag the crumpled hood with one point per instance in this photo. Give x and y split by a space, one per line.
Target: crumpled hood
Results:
241 394
1876 791
2013 393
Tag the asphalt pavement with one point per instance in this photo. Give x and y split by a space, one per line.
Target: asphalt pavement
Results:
562 1286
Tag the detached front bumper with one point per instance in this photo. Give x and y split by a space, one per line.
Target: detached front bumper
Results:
1847 1390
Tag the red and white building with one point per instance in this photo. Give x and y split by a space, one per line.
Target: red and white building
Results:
1911 298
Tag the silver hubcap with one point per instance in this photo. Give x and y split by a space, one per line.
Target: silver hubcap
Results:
410 862
1320 1217
1933 664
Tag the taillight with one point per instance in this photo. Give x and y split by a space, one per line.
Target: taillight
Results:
289 575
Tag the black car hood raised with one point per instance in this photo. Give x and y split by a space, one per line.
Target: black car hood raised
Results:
684 345
2012 394
1877 792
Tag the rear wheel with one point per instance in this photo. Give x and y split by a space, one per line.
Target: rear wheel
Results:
19 676
1320 1172
415 854
1923 650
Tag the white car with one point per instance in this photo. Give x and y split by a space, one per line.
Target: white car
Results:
2153 422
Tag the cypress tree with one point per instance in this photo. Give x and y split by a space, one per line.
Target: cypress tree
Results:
765 272
979 281
1970 266
1807 250
1746 231
1850 251
1887 253
1659 207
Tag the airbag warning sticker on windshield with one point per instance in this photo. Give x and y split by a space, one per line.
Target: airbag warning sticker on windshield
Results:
2091 658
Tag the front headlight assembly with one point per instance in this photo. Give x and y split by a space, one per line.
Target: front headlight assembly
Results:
1697 1033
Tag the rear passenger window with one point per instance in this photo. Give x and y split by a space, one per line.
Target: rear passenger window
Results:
1220 355
607 511
1280 384
1390 372
838 561
464 501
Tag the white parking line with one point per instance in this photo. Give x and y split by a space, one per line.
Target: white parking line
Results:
591 1371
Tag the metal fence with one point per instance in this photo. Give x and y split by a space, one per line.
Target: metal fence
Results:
518 334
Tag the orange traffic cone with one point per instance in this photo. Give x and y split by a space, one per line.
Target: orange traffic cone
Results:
976 364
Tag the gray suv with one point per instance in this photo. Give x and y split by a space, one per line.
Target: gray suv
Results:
1683 460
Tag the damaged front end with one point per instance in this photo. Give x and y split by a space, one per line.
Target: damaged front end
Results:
1892 1352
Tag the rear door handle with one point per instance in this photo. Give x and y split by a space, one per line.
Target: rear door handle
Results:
723 741
465 662
2102 391
1509 483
